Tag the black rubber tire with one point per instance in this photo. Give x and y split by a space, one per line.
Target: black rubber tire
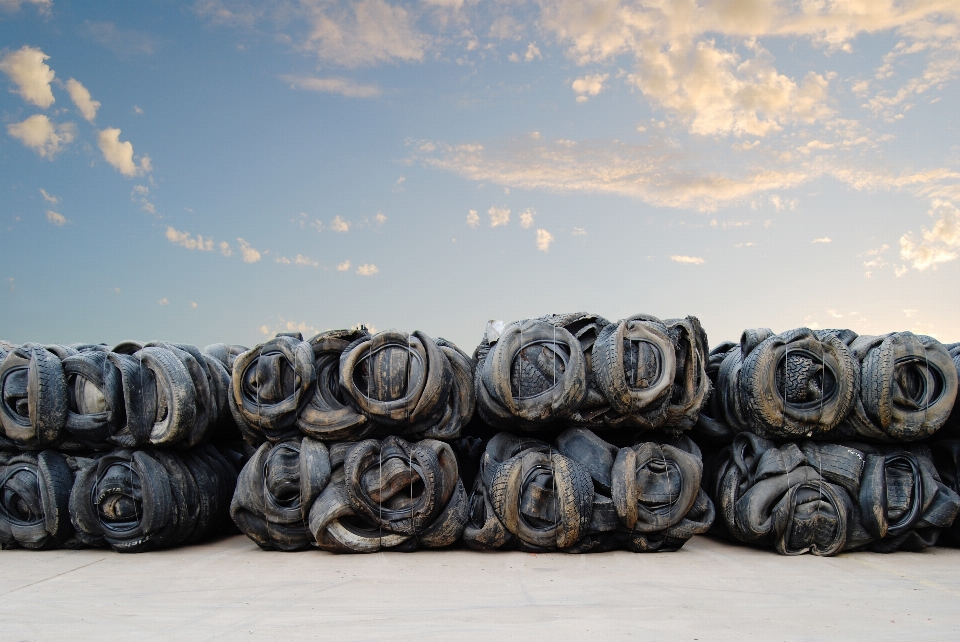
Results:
95 406
910 386
822 367
636 478
177 398
628 389
571 499
462 399
328 414
691 385
33 408
397 379
138 387
590 451
271 383
553 398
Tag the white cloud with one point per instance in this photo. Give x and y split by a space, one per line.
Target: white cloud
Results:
680 258
936 245
532 53
306 260
249 254
184 239
513 57
225 248
282 260
42 135
579 231
32 76
333 85
498 216
137 110
193 304
120 154
825 239
526 217
381 218
163 301
544 239
367 269
339 225
80 96
473 219
365 32
289 326
589 86
50 198
343 267
43 6
56 219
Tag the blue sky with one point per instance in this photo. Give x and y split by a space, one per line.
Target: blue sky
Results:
219 170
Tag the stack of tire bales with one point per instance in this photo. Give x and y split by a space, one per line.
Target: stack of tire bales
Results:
581 370
583 494
869 480
346 385
349 428
130 447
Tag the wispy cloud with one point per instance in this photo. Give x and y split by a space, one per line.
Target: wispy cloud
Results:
339 225
823 239
333 85
526 217
473 219
123 42
680 258
56 218
938 244
50 198
343 267
163 301
184 239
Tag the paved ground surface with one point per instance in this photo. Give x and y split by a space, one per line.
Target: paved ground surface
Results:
710 590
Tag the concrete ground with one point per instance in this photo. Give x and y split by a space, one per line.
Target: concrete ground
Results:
710 590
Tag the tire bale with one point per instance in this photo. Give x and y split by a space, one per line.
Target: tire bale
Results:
797 384
34 499
635 363
945 455
400 381
903 504
329 413
33 398
276 490
771 496
647 497
909 386
532 374
271 383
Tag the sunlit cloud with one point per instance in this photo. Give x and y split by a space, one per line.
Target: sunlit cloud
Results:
680 258
473 219
544 239
50 198
80 96
498 216
31 75
249 254
42 135
824 239
367 269
339 225
184 239
120 153
343 267
938 244
56 218
526 217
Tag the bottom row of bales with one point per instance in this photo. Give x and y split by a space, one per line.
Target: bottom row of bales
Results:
579 494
